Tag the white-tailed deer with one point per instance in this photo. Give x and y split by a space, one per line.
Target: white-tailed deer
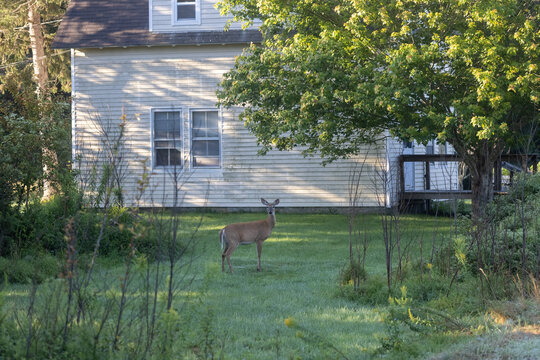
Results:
247 233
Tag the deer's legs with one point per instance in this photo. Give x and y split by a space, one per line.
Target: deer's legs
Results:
227 254
259 249
223 260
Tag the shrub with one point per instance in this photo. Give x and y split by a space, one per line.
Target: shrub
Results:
352 271
27 269
38 226
372 291
446 208
423 289
513 237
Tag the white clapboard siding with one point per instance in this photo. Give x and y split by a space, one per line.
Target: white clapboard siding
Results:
133 81
210 19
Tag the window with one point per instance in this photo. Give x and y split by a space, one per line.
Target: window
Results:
167 138
205 139
186 11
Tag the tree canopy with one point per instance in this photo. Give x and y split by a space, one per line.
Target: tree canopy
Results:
330 75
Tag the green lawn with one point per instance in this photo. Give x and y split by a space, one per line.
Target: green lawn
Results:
242 316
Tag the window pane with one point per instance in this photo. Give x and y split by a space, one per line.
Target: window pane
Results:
176 157
199 119
174 130
167 125
168 144
162 157
162 144
212 119
200 147
174 124
213 147
161 126
205 124
205 161
186 12
160 115
199 132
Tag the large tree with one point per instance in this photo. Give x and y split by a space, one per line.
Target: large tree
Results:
333 74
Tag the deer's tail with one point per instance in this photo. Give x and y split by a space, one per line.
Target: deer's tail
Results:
222 238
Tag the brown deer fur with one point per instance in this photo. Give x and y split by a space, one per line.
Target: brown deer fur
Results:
247 233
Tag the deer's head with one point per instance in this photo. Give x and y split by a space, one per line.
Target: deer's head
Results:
270 206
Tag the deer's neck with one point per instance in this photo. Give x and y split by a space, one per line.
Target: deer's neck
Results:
271 220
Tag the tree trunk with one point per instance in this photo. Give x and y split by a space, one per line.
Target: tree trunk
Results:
41 78
480 163
481 186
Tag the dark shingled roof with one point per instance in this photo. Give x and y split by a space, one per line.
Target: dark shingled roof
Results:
114 23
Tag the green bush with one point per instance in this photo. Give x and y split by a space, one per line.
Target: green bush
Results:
25 270
38 226
352 271
372 291
514 220
425 288
446 207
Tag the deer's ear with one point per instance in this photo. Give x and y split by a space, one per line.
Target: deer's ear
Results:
276 202
264 201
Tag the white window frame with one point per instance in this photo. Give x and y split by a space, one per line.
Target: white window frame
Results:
182 139
196 21
220 139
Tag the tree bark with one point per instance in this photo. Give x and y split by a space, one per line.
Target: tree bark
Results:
481 185
41 78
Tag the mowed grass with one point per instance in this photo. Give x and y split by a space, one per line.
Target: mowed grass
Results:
241 316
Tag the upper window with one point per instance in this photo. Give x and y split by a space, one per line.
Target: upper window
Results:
167 139
186 11
205 140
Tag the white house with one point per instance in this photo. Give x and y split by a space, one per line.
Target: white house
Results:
155 64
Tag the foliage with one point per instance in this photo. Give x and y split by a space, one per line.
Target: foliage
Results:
352 271
451 208
39 268
332 75
393 338
373 291
20 151
311 337
513 236
21 162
